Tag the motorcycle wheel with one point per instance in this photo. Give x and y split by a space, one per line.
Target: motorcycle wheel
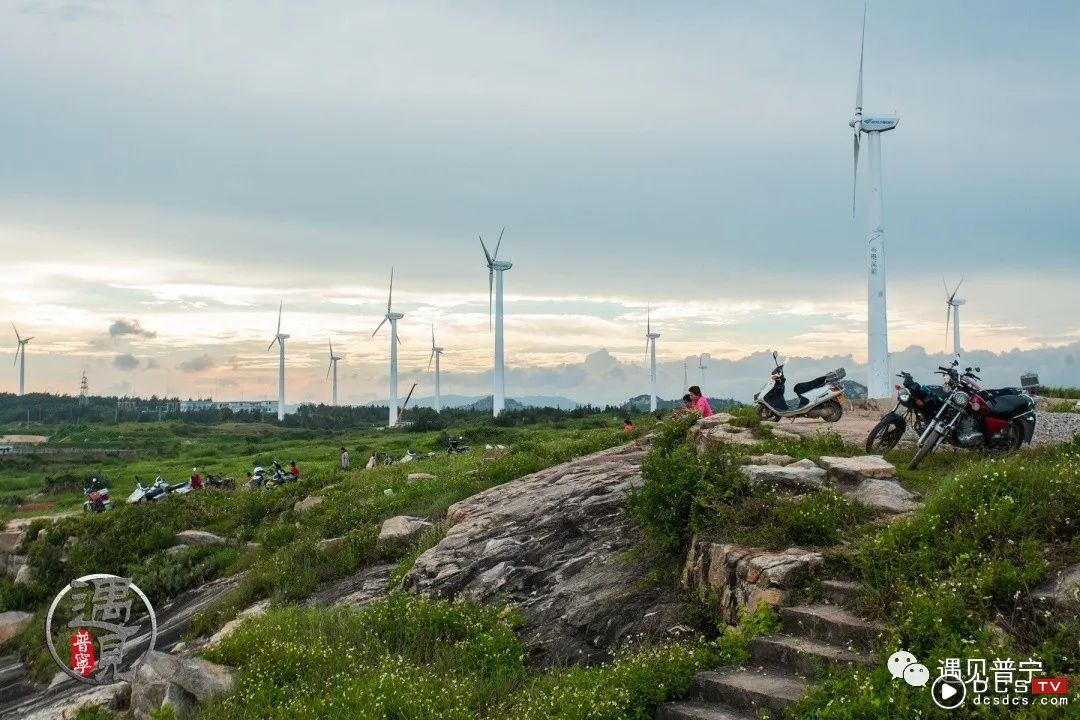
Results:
831 411
1009 441
765 413
926 449
885 435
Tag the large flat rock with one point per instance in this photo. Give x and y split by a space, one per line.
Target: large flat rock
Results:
853 470
884 496
554 544
797 477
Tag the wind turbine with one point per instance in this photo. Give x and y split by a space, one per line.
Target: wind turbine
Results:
496 268
952 306
280 338
878 382
393 317
650 349
333 367
701 366
436 353
20 355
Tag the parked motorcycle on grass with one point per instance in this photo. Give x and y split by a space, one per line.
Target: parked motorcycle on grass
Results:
995 422
916 405
280 476
817 398
457 447
97 496
159 490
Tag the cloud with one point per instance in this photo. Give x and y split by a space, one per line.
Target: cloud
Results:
197 364
126 361
129 327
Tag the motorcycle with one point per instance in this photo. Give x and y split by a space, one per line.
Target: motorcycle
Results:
457 447
159 490
409 456
996 422
97 496
920 404
817 398
280 476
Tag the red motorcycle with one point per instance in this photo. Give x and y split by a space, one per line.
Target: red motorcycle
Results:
995 422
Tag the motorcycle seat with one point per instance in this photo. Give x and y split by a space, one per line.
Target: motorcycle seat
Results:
1007 406
805 387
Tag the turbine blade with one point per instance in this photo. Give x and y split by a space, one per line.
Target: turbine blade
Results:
862 49
280 304
491 280
16 332
430 358
855 175
16 360
380 327
272 343
648 319
433 337
331 344
955 290
398 338
390 297
329 368
946 286
647 339
495 255
486 253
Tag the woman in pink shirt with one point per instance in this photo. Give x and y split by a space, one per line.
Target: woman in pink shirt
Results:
700 404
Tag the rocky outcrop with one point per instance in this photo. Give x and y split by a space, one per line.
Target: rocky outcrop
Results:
554 544
199 537
853 470
744 577
307 503
769 459
11 540
1061 591
419 476
400 530
177 682
12 623
883 496
229 628
797 477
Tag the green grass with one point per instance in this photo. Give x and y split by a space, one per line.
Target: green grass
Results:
967 558
288 564
685 494
1070 393
410 657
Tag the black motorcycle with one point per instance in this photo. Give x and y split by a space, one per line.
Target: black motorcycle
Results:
457 447
916 405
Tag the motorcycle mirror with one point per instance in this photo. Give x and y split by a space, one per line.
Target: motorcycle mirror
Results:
978 369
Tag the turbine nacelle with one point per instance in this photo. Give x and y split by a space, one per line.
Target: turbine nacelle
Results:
874 123
652 336
501 265
394 315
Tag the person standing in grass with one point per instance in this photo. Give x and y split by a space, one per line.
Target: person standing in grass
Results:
700 402
371 462
344 459
196 479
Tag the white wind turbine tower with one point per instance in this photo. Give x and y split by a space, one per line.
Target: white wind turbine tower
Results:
878 382
333 368
952 306
393 317
701 366
280 338
496 268
436 353
20 359
650 348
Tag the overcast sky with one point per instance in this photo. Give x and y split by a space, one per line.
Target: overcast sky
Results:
171 170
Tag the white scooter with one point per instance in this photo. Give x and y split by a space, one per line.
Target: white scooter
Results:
818 398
